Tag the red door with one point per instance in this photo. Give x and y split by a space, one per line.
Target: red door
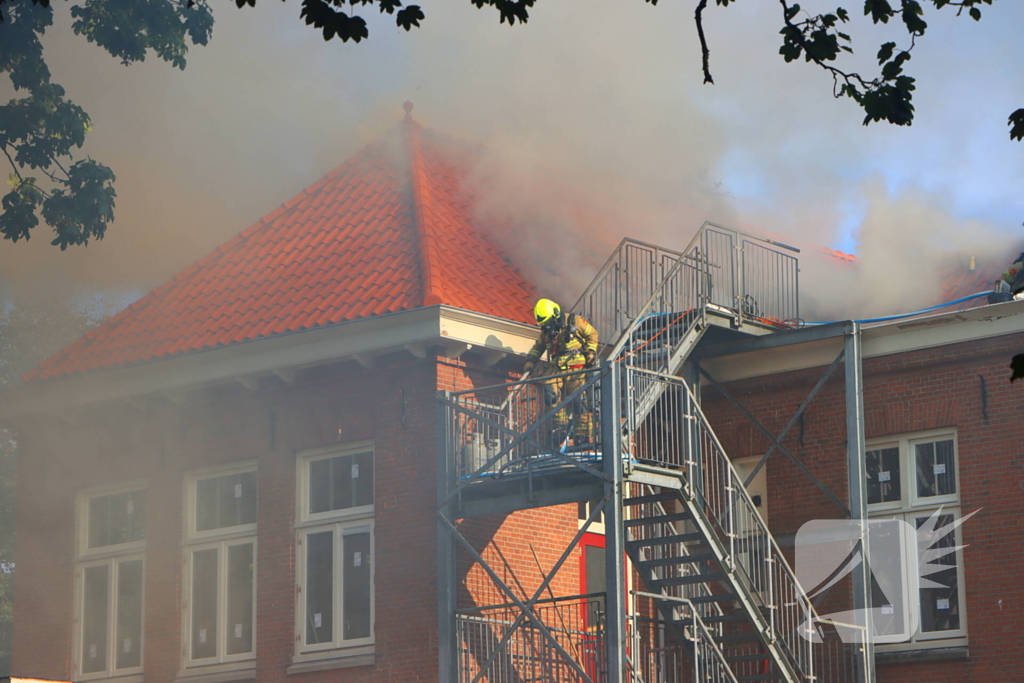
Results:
592 580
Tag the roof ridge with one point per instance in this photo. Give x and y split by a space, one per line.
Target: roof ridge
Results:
421 198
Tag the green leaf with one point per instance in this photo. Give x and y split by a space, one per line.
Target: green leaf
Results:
1016 124
409 17
885 53
1017 366
878 10
975 14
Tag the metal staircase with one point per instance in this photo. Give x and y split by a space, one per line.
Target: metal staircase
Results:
723 595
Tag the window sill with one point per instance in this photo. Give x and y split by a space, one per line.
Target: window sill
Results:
116 678
343 662
916 656
191 676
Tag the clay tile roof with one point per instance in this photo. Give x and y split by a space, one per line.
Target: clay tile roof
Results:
391 229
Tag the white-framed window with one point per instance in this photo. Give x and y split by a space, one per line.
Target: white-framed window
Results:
219 625
915 478
335 552
109 583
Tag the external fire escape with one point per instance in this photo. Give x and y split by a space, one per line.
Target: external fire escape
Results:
697 589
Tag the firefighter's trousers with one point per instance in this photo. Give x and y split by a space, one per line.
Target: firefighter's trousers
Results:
578 413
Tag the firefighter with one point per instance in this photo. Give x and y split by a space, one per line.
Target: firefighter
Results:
1014 276
571 344
1010 285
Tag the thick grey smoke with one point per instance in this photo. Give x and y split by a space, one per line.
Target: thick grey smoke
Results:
599 101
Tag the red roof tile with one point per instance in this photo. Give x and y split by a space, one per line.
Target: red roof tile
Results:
391 229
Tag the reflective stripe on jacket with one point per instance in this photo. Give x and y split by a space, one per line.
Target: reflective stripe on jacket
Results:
567 348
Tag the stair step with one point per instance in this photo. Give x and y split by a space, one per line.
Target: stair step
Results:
717 597
749 637
724 618
688 580
762 657
651 498
678 538
684 559
657 519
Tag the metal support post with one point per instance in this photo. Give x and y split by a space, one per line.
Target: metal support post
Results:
447 645
615 570
857 478
691 375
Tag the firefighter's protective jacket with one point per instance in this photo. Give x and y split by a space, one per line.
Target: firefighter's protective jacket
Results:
570 346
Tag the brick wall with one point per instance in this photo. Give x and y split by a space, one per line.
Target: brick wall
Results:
158 442
912 392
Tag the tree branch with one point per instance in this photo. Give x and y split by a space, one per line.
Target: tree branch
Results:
704 51
836 72
14 167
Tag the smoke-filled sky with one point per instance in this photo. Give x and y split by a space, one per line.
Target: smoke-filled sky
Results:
605 93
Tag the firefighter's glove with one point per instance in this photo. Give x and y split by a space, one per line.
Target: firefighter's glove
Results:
529 366
589 357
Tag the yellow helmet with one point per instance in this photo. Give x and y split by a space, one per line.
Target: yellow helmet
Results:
547 311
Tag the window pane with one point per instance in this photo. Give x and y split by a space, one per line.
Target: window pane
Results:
940 608
206 504
99 521
594 582
342 482
129 614
356 577
240 586
935 469
320 587
225 501
361 471
117 518
94 619
883 468
320 485
204 603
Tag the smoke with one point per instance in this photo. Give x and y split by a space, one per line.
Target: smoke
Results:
598 127
908 247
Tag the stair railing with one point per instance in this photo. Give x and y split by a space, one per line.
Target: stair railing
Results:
676 435
706 658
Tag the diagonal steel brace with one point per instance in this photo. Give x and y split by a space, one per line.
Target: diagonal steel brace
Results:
512 596
775 441
540 591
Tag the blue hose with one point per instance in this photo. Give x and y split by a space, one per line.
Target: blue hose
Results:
899 316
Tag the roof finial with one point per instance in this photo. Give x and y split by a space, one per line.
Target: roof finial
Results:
408 110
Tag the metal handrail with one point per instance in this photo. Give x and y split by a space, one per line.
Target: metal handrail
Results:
712 480
706 650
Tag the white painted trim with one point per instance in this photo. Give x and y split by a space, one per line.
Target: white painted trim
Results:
191 481
415 330
879 340
221 660
113 565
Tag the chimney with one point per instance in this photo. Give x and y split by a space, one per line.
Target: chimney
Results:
973 265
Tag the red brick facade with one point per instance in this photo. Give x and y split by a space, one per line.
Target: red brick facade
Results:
158 443
962 386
